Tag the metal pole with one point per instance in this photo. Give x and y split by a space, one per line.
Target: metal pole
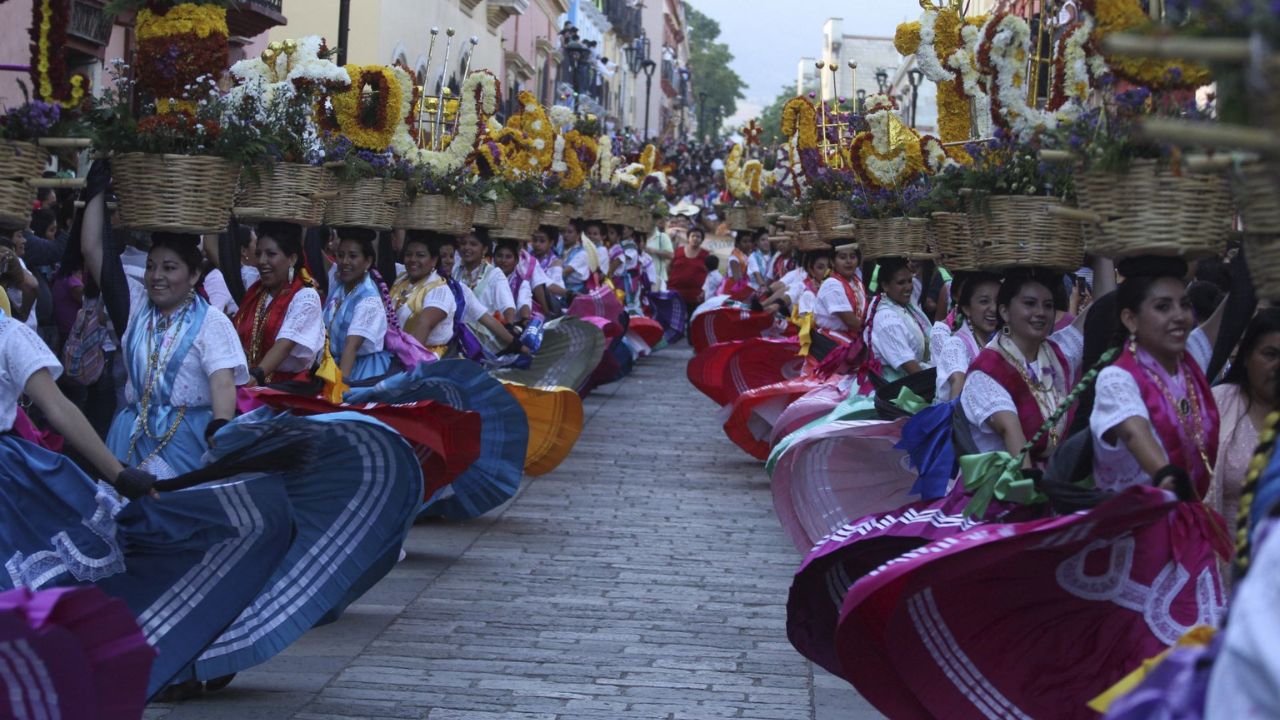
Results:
344 20
426 71
648 94
466 70
436 143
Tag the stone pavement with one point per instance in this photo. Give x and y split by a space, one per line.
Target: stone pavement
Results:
644 578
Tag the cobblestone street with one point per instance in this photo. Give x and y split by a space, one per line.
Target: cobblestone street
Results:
645 578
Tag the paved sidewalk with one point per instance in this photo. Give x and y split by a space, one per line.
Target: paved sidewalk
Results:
645 578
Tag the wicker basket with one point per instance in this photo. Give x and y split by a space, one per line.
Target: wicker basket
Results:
1263 256
1014 230
287 192
893 237
1151 211
22 159
553 215
738 218
829 215
437 213
367 203
175 193
15 204
520 224
755 217
953 240
493 214
1256 188
808 241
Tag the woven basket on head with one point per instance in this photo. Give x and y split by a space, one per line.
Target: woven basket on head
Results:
1263 256
829 215
809 241
953 240
22 160
1015 230
286 192
493 214
893 237
756 218
1151 211
366 203
738 218
553 215
175 193
606 209
437 213
1256 188
15 203
520 224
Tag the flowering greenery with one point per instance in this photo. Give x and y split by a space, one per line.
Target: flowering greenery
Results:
1105 138
1003 166
910 200
351 162
213 126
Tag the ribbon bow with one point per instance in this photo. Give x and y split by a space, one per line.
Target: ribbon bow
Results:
996 475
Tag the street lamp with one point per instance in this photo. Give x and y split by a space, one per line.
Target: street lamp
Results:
882 79
862 102
648 66
576 53
914 76
684 98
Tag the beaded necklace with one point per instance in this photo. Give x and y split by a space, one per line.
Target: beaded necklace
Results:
1188 408
157 333
1044 390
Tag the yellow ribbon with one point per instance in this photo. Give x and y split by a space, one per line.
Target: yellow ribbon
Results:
331 374
805 323
996 475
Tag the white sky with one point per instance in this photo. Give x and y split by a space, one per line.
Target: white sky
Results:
767 37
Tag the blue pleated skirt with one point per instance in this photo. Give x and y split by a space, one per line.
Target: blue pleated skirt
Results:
181 454
367 367
354 500
495 476
186 564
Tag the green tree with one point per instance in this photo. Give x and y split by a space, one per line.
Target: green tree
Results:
709 70
771 116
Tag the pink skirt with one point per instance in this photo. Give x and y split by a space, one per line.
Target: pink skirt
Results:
1034 619
725 325
726 370
753 414
811 406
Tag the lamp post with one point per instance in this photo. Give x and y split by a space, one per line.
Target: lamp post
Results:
635 54
914 76
862 102
882 79
648 66
684 98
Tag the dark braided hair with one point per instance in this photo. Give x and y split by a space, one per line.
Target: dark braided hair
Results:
1257 466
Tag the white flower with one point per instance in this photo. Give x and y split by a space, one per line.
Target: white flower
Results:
536 125
539 143
531 108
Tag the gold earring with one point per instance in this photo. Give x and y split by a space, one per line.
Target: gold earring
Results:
1133 343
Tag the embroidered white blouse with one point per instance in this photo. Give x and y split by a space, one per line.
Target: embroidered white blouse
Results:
1118 398
217 347
22 354
896 338
303 324
983 397
832 299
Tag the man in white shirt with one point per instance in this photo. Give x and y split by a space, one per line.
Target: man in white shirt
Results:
662 250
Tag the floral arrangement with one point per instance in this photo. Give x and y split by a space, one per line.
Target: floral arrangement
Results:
939 47
534 146
49 20
1078 65
213 125
1005 165
478 101
887 155
799 121
964 61
1112 16
910 200
368 119
580 157
1002 54
176 45
742 179
1105 138
606 162
31 121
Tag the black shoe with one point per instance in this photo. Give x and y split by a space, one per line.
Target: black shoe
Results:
180 692
219 683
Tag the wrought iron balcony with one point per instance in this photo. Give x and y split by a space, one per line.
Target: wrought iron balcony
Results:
254 17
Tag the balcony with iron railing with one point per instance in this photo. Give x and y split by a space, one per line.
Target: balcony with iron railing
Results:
254 17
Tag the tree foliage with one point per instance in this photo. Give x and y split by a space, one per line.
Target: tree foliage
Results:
709 66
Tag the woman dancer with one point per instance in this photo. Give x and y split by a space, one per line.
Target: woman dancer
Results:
1245 398
976 321
354 313
281 322
898 330
485 281
841 300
